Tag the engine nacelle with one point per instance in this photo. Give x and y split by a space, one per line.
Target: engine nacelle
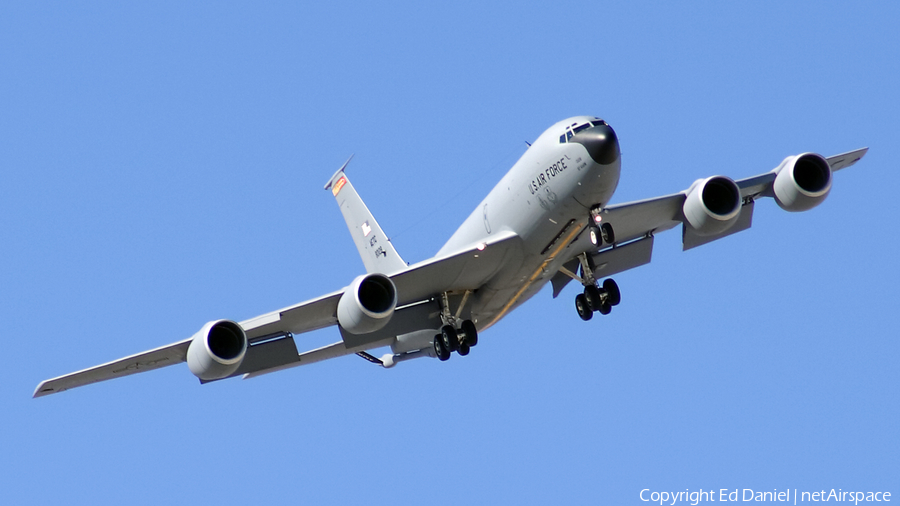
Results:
216 351
367 304
712 205
802 182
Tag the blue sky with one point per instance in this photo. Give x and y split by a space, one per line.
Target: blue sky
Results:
162 166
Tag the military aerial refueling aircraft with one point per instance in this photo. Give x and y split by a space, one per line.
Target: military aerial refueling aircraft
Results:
548 220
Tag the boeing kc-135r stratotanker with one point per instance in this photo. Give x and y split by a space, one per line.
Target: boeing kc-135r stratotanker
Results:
548 220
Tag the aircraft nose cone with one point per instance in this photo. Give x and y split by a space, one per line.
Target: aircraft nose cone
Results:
601 143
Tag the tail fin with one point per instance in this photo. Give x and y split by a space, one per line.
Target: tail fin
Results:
376 250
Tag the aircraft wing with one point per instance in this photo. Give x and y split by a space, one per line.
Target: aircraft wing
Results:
417 308
635 223
304 317
147 361
645 217
271 336
466 269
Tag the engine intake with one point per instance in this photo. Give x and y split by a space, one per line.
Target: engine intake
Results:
217 350
802 182
367 304
712 205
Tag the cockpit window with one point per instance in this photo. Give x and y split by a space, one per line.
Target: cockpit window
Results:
572 130
581 127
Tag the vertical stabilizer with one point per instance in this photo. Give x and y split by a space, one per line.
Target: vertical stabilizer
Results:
376 250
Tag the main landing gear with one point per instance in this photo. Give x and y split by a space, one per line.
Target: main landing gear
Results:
597 298
452 339
456 335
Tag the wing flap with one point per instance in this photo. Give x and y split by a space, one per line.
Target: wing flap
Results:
267 354
621 258
313 314
425 315
330 351
644 217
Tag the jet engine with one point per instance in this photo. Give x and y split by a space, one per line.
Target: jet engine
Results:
216 351
802 182
712 205
367 304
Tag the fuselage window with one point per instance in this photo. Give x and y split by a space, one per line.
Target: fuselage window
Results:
568 135
562 139
599 122
582 127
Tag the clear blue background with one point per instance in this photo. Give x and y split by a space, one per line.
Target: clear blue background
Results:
162 166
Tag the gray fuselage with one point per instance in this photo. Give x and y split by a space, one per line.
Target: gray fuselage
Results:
545 199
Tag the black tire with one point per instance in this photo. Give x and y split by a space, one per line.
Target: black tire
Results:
450 338
605 309
581 306
607 233
463 349
439 350
592 296
468 328
615 296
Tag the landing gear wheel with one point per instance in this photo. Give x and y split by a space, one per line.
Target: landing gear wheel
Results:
605 308
442 353
615 296
468 328
463 349
592 296
595 235
450 338
581 305
606 232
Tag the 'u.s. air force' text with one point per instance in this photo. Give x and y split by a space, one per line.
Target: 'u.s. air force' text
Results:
544 177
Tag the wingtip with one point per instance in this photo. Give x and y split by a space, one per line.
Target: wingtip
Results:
42 390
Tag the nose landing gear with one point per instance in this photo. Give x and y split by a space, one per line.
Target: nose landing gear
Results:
602 234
